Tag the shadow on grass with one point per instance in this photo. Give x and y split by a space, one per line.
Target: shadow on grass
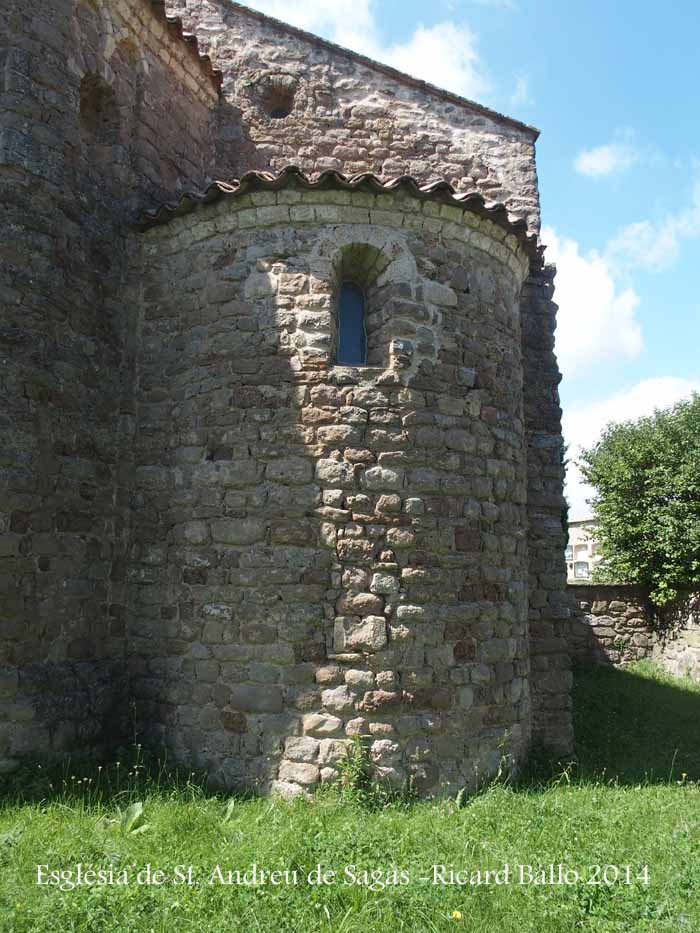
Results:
636 725
131 776
632 726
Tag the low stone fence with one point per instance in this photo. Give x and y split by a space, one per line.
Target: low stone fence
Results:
617 624
614 624
678 649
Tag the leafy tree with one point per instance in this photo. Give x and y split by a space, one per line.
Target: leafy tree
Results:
647 505
563 460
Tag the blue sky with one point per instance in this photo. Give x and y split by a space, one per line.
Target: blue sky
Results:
613 87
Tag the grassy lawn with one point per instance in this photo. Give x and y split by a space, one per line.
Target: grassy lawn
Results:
625 803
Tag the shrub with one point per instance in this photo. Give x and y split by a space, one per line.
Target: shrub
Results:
647 505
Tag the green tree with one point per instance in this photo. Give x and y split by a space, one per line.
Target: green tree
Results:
646 474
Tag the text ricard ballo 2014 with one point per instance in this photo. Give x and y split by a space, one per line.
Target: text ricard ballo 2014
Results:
374 878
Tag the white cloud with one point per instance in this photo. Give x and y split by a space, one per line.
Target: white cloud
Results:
583 425
444 54
610 159
654 245
521 94
322 16
596 318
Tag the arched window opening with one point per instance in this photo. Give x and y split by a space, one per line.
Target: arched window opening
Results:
358 312
99 114
352 334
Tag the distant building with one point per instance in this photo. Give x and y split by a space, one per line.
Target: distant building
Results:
582 551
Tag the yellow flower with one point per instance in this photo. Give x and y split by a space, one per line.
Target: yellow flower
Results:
456 915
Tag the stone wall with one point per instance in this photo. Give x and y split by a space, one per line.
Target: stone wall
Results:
550 605
323 551
117 378
616 624
350 114
678 649
102 106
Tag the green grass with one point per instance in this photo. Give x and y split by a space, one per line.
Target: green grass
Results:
637 725
624 803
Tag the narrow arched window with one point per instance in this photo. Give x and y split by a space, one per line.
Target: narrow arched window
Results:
99 112
352 336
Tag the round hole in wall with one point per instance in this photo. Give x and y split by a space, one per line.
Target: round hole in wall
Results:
277 96
278 112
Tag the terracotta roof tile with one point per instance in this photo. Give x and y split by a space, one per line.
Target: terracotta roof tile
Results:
291 176
174 23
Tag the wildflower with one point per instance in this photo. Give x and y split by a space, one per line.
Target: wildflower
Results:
456 915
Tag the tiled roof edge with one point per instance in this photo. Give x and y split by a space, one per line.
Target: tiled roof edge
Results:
441 191
174 24
385 69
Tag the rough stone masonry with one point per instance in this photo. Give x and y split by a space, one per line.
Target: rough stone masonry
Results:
206 522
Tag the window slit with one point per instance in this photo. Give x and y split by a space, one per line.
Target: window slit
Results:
352 334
